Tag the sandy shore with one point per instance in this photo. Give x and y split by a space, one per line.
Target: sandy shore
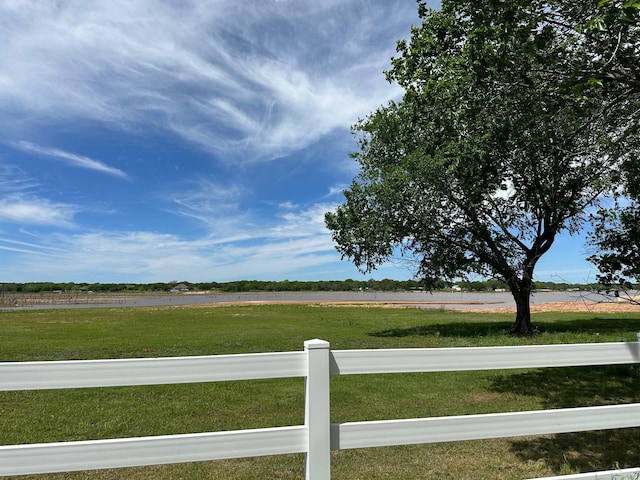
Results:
596 307
486 307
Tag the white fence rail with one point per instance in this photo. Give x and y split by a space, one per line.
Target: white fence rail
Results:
317 437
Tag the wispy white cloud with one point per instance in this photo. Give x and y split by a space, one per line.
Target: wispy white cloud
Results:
249 247
14 180
216 207
247 80
21 204
36 211
11 245
220 209
287 205
336 190
302 222
70 158
146 257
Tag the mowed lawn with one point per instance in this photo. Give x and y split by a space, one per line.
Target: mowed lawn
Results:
80 414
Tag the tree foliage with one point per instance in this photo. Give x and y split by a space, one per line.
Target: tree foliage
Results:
616 235
515 119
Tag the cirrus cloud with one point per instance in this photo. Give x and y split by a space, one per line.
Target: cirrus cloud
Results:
246 81
71 158
36 211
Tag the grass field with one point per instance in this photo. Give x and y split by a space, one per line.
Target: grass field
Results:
29 417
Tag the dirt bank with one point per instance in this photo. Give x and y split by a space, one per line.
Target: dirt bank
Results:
586 306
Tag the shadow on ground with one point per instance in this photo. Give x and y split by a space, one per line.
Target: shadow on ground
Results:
452 329
574 387
563 388
600 324
584 451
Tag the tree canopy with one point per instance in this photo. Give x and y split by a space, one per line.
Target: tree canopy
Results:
516 117
616 236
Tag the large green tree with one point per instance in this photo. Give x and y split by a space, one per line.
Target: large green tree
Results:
512 124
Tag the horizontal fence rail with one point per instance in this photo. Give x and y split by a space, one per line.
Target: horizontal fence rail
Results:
477 427
317 437
404 360
140 451
150 371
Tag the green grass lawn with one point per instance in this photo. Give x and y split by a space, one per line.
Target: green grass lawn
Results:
43 416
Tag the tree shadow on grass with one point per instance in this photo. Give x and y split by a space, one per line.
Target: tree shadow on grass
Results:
453 329
592 325
563 388
602 325
583 451
574 387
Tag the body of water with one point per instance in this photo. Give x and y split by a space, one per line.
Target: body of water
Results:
453 300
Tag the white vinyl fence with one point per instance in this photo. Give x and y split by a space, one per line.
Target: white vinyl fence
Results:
317 437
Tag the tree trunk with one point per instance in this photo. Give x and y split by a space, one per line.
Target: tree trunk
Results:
521 291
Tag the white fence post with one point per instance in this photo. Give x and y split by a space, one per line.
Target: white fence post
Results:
318 461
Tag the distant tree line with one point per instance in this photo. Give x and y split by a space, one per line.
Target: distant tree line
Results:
236 286
278 286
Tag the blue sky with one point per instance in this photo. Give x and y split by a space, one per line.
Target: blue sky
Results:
200 140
